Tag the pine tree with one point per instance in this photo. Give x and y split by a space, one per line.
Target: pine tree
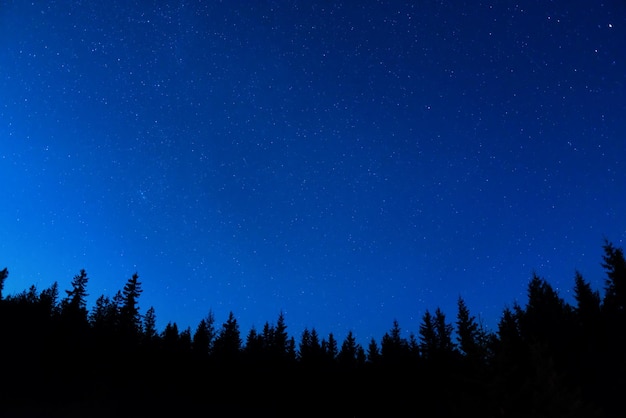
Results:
74 306
105 315
444 333
48 301
291 349
472 338
347 354
330 348
205 334
149 326
171 338
4 273
228 343
254 345
267 338
394 349
280 337
546 319
587 302
184 341
414 347
373 353
615 266
76 297
428 336
129 310
310 350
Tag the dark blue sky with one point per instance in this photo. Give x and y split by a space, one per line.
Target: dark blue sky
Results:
348 164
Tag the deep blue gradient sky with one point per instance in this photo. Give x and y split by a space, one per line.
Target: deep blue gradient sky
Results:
348 164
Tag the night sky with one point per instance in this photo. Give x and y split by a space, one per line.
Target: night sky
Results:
346 163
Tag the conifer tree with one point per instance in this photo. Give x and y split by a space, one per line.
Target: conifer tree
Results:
74 306
330 347
615 266
205 334
149 326
373 353
48 300
267 338
170 338
587 302
228 343
546 319
4 273
473 339
428 336
280 337
98 314
347 354
444 333
310 351
76 297
305 345
291 349
129 309
254 344
185 341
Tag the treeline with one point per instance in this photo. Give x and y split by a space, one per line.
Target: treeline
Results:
547 358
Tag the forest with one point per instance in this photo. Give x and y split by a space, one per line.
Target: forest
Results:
547 358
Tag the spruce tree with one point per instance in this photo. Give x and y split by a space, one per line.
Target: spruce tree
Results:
330 348
587 302
205 334
74 306
373 353
227 345
347 354
149 326
129 309
615 266
4 273
428 336
280 338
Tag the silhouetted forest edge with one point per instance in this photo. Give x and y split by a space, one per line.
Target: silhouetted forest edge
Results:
547 358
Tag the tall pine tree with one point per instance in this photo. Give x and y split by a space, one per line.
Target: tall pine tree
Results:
130 319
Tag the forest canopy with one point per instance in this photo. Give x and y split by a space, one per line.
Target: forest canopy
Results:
546 358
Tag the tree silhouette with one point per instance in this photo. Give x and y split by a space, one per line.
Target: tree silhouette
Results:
614 321
394 349
185 341
149 326
228 343
373 353
171 338
4 273
254 345
130 319
76 297
205 334
280 338
443 331
347 355
428 336
74 306
329 348
587 300
547 321
472 338
48 301
546 359
310 349
615 266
